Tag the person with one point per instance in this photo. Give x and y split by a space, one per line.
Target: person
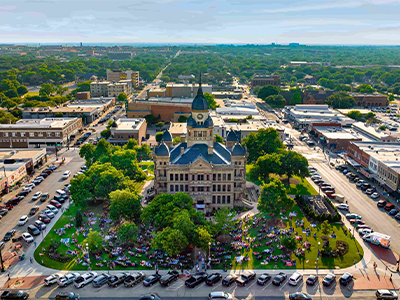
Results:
30 258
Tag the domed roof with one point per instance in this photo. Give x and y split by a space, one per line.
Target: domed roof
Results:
200 102
162 150
208 122
231 137
114 124
167 136
238 150
191 122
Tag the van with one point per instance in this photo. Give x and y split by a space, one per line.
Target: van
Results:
66 175
295 278
33 230
339 198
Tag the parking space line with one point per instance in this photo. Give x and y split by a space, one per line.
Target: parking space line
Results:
267 285
200 286
300 286
232 287
334 285
217 286
152 287
316 286
252 285
283 286
135 287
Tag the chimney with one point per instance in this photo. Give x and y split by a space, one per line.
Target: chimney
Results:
183 138
210 150
214 138
182 150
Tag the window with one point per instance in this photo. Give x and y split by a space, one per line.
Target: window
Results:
224 177
219 177
171 177
218 199
214 188
193 177
186 188
40 134
229 176
176 177
181 177
200 189
5 133
31 134
176 187
229 187
223 199
57 134
171 188
186 177
214 177
181 187
22 134
228 199
213 199
208 177
219 187
14 134
49 134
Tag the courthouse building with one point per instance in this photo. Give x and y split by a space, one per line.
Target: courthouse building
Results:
213 174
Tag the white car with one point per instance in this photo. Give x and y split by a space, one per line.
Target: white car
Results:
36 196
67 279
51 279
66 175
48 213
23 220
52 208
365 231
27 237
343 206
39 225
295 278
219 296
375 195
27 189
84 279
31 186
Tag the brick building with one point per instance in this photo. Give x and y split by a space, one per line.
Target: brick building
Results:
262 80
369 100
123 130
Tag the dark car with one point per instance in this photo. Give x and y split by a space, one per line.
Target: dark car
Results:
169 277
312 280
381 203
67 296
45 219
153 296
152 279
33 230
228 280
23 193
299 296
134 279
44 197
196 279
279 278
34 210
346 278
55 203
14 294
44 175
115 280
9 235
263 279
14 201
246 277
101 280
329 279
366 186
213 278
3 212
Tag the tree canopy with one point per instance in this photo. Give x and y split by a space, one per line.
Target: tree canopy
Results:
273 198
264 141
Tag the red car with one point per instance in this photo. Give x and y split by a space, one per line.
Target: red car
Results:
330 194
44 218
363 227
55 203
360 222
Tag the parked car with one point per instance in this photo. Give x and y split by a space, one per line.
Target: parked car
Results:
67 279
369 191
55 204
84 279
219 296
299 296
34 210
389 207
381 203
14 294
9 235
152 296
386 294
67 296
228 280
213 278
196 279
134 279
152 279
101 280
366 186
66 175
52 279
263 279
375 195
36 196
353 216
33 230
360 183
116 279
23 220
23 193
364 231
329 279
312 279
343 206
49 213
346 278
295 278
279 278
393 212
52 208
45 219
44 197
397 216
359 222
27 237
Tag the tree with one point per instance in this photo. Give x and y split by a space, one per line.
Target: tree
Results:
94 241
369 115
61 90
143 152
212 104
249 117
160 124
264 141
289 242
182 119
203 238
125 204
273 198
159 136
327 83
365 89
382 127
127 232
223 218
293 163
266 165
87 152
172 241
266 91
355 115
126 161
341 100
325 227
47 89
391 97
343 87
8 103
276 100
218 138
176 140
122 97
22 90
150 119
11 93
296 99
78 219
106 133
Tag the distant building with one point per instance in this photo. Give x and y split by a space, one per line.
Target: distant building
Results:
114 89
262 80
373 133
123 130
120 55
99 88
82 77
370 100
82 95
186 78
118 75
156 92
29 133
317 96
185 90
334 137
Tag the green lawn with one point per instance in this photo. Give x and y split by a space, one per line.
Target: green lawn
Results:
149 165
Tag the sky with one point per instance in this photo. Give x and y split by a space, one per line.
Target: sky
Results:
339 22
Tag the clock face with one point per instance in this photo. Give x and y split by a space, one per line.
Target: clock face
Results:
200 116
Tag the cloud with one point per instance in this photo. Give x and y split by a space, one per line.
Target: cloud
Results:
309 7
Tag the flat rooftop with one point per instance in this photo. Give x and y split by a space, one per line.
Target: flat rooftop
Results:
337 133
177 128
18 154
373 131
128 124
363 111
39 123
386 152
166 100
187 85
63 109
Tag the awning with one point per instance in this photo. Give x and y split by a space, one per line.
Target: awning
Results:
353 162
365 172
200 206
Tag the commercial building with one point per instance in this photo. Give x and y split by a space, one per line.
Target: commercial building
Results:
252 126
82 95
316 97
16 164
156 92
114 89
30 133
123 130
99 88
236 110
212 174
118 75
370 100
262 80
334 137
167 109
180 90
373 133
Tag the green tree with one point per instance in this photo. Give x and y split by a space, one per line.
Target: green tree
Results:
293 163
160 124
341 100
266 165
11 93
47 89
61 90
289 242
159 136
327 83
176 140
296 99
203 238
212 104
125 204
87 152
94 241
343 87
264 141
143 152
355 115
106 133
122 97
325 227
182 119
127 232
273 198
382 127
8 103
126 161
22 90
150 119
266 91
218 138
365 89
391 97
223 220
172 241
78 219
276 100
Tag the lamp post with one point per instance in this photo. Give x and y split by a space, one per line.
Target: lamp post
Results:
319 243
209 253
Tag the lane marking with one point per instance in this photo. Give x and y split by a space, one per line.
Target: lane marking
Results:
200 286
251 285
283 286
300 286
217 286
267 285
316 286
333 285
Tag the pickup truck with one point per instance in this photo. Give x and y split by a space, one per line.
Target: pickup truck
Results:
14 294
246 277
134 279
116 279
196 279
169 277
